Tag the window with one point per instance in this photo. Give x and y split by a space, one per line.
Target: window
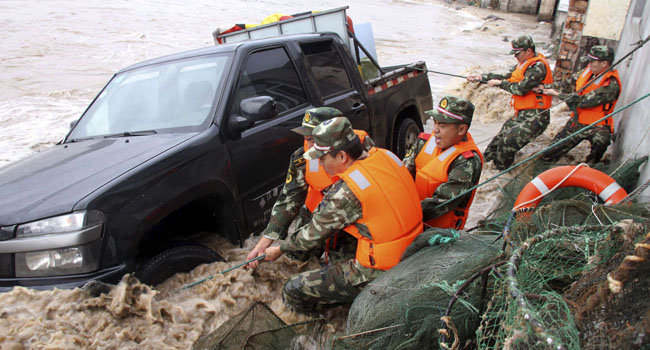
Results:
327 67
271 73
164 97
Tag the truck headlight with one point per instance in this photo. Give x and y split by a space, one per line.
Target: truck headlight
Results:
59 224
57 262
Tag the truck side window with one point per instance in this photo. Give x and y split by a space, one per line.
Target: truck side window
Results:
327 67
271 73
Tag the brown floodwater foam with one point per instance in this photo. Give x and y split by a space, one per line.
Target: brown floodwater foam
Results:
131 314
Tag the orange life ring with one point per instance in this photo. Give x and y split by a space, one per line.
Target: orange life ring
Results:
590 179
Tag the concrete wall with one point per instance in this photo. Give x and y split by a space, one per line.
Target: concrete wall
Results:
546 10
519 6
633 124
605 18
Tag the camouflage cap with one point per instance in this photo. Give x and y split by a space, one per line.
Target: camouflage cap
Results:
315 116
522 43
452 109
600 53
330 135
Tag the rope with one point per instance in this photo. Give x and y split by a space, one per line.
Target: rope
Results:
631 153
440 239
552 189
639 44
224 271
535 155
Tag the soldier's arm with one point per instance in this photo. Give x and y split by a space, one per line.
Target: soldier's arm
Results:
368 143
607 93
411 154
290 199
489 76
338 209
566 86
533 77
464 173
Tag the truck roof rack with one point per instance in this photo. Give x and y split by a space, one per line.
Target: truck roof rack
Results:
334 20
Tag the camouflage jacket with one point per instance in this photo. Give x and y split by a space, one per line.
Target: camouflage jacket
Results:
338 209
463 174
607 93
533 76
293 195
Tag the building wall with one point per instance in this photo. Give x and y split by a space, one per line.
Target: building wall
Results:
519 6
606 18
633 124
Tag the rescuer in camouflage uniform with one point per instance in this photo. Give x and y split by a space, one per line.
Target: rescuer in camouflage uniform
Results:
340 281
526 124
600 58
464 172
290 202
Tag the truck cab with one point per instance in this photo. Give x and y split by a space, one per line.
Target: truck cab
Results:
180 147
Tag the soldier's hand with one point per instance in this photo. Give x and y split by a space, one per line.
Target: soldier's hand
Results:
551 92
260 247
572 100
273 253
474 78
494 82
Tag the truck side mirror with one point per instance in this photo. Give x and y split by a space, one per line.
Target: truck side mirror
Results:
253 109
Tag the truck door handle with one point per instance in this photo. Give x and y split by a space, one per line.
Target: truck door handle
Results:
358 107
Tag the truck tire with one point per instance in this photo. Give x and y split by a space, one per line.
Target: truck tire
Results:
407 136
171 261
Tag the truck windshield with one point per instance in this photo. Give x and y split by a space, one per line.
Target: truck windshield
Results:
160 98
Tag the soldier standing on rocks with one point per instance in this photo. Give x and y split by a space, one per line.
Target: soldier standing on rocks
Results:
531 106
590 104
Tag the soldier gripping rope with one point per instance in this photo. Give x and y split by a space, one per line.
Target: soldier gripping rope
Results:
531 106
304 185
588 104
374 201
446 163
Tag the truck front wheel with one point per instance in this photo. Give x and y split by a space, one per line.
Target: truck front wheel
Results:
407 136
174 260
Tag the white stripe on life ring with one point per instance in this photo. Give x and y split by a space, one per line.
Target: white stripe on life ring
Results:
609 191
541 186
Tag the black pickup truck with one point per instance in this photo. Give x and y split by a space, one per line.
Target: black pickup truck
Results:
181 146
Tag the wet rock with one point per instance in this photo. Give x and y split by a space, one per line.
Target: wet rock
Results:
96 288
493 18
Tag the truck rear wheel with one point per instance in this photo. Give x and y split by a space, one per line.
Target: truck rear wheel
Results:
177 259
407 136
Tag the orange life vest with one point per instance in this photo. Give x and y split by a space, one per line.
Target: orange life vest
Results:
531 100
432 169
318 179
589 115
391 208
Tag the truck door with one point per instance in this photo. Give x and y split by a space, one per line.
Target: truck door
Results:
334 83
260 157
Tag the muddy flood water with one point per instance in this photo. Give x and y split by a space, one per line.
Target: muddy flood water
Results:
54 58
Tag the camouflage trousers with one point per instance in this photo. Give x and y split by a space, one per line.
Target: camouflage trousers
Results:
599 136
516 133
337 283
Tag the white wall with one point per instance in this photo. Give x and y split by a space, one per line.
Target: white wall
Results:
605 18
633 124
